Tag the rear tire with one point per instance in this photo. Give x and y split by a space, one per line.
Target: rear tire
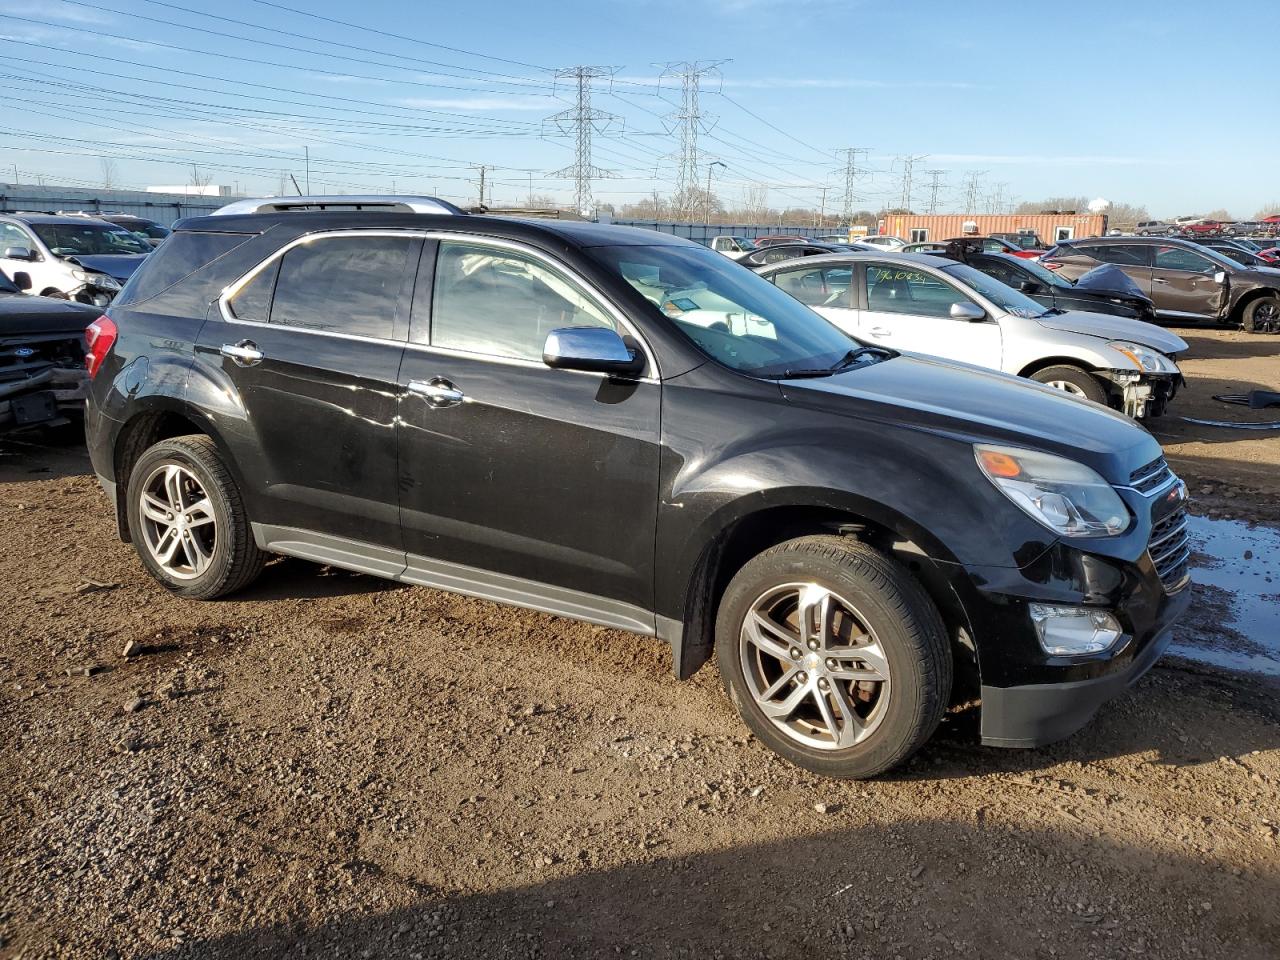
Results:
802 634
1262 315
188 522
1076 381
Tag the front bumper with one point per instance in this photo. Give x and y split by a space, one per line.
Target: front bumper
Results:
1040 713
43 399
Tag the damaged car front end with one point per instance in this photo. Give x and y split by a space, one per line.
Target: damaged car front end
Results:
42 374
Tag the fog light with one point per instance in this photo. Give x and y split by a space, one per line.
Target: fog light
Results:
1071 631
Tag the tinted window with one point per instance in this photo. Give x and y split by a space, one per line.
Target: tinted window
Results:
345 285
182 256
1121 254
495 301
89 239
1176 258
253 300
999 269
817 286
892 289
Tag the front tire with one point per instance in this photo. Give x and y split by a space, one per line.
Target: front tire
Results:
188 522
834 656
1262 314
1076 381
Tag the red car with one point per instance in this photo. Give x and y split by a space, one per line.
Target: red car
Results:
994 245
1201 228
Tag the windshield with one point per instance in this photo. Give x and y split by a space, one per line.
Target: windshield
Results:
7 285
88 239
1005 297
731 314
1045 275
746 243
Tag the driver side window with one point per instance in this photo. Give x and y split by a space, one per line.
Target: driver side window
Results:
1176 258
892 289
500 302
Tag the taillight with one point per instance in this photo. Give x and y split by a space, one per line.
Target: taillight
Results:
100 335
1050 264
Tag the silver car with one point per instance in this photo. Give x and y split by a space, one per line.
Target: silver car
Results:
921 304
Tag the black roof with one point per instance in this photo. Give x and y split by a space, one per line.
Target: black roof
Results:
576 232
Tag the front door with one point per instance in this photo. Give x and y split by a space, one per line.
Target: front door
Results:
311 344
1183 284
910 309
520 482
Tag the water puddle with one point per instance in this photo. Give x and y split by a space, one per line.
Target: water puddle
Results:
1235 622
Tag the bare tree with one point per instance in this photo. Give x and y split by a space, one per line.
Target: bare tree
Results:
1056 204
1268 210
1220 214
108 173
1126 216
198 181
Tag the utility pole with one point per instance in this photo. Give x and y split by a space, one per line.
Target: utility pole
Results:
908 165
972 190
822 210
935 183
307 154
851 175
581 121
484 168
691 121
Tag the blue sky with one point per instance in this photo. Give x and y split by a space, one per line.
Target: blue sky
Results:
1134 101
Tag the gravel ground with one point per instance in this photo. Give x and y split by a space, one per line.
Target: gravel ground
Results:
329 765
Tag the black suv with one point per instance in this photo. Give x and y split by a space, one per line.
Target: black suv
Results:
623 427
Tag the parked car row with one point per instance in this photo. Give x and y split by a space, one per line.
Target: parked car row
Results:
1192 227
69 256
624 427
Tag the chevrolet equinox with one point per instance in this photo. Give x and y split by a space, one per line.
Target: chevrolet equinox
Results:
521 411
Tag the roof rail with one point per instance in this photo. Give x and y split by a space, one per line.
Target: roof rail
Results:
380 203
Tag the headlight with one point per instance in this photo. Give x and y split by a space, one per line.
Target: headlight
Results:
1067 497
1144 358
95 279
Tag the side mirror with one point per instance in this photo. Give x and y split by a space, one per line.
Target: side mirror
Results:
1220 276
594 349
19 253
968 311
22 280
1029 286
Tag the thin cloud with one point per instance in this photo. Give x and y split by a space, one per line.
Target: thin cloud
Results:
60 11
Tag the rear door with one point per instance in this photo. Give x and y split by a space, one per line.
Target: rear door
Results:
311 342
1183 284
910 309
1133 259
828 290
518 481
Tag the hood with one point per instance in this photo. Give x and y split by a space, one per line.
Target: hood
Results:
22 315
117 265
976 405
1109 278
1110 327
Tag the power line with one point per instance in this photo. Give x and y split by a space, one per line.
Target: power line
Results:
581 121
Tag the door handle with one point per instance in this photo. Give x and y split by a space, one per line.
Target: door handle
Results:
1159 280
245 353
879 332
438 392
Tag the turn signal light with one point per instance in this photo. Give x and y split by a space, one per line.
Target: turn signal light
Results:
999 464
100 336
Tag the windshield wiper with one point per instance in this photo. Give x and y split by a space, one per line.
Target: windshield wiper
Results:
1052 312
848 360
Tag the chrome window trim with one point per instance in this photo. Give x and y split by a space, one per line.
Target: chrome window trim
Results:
231 289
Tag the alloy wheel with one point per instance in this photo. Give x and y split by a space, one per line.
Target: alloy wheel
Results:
1064 385
814 666
1266 313
178 523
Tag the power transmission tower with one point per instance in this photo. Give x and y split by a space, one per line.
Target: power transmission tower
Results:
581 121
908 165
691 121
972 190
996 202
935 184
851 176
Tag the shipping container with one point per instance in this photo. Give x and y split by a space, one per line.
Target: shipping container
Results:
1049 227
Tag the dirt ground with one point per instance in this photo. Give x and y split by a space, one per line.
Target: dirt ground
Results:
329 765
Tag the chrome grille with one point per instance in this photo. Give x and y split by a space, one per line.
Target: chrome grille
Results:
1150 476
1170 550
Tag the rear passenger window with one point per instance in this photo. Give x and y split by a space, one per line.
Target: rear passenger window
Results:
1121 254
493 301
1176 258
345 285
817 286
